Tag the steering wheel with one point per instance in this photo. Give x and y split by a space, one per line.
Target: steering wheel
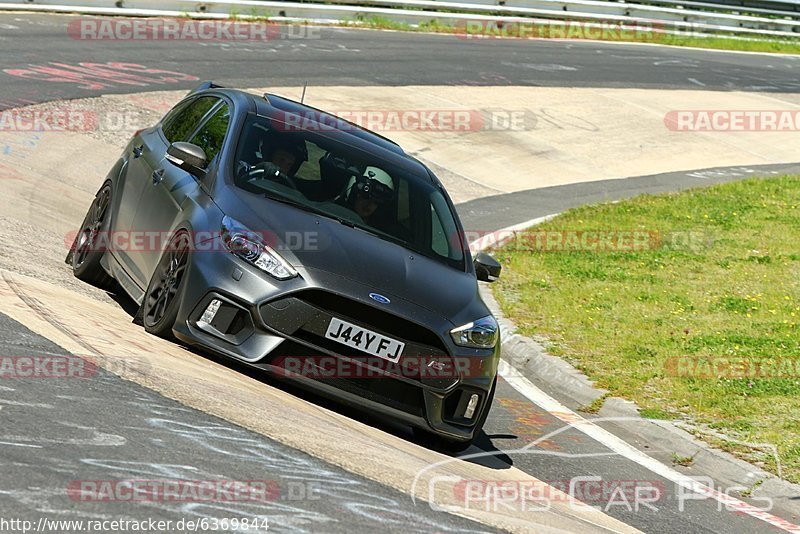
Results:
269 171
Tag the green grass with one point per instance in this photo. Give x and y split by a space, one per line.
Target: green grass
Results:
596 405
380 23
684 461
789 46
718 279
258 14
722 42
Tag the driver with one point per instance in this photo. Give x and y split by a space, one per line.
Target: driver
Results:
284 159
286 156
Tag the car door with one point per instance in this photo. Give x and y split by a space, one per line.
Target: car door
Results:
135 179
161 203
149 147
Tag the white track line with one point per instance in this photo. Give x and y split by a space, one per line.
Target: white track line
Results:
529 390
624 449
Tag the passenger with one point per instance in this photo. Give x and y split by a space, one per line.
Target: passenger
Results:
369 192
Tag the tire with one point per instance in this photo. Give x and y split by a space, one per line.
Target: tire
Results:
163 295
437 442
85 254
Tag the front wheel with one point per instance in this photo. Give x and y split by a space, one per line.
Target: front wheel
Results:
162 298
87 250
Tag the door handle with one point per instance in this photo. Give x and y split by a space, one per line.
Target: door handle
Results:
158 175
137 151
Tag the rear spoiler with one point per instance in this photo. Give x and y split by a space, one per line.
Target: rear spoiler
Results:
203 86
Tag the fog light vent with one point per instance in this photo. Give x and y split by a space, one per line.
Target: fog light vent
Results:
471 405
211 311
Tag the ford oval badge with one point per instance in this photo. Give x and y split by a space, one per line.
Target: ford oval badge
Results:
377 297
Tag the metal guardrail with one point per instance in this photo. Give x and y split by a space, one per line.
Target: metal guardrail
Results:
769 19
743 6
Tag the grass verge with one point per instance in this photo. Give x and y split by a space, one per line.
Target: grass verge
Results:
575 31
698 322
741 45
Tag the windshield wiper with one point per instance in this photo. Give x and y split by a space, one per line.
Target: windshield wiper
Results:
311 209
393 239
347 222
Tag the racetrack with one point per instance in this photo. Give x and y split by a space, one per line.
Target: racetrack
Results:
232 423
333 56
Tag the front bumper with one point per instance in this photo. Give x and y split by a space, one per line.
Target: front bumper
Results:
276 325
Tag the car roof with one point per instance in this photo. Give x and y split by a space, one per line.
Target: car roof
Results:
309 113
274 106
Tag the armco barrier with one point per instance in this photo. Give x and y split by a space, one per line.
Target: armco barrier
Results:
770 19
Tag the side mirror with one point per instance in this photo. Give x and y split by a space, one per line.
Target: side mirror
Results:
188 157
487 269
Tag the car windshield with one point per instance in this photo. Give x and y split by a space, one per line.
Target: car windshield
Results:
333 179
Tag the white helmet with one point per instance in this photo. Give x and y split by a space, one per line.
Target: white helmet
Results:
374 173
375 183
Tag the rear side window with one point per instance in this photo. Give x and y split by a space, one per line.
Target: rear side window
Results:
179 127
169 118
212 134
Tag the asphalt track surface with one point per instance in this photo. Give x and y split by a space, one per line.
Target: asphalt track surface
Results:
55 434
334 56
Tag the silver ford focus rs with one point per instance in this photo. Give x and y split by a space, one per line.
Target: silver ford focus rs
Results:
279 235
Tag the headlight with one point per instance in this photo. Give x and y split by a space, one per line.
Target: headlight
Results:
249 246
480 334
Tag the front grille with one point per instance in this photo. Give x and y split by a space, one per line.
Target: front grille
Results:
386 391
295 358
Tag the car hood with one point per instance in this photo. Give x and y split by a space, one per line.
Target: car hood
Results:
314 241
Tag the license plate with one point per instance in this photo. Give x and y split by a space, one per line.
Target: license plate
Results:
364 340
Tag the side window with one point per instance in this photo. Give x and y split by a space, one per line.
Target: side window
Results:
439 241
444 231
212 134
185 122
308 170
169 118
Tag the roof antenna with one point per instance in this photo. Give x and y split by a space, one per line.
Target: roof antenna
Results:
303 97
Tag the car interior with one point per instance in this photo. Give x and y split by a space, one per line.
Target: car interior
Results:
327 178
